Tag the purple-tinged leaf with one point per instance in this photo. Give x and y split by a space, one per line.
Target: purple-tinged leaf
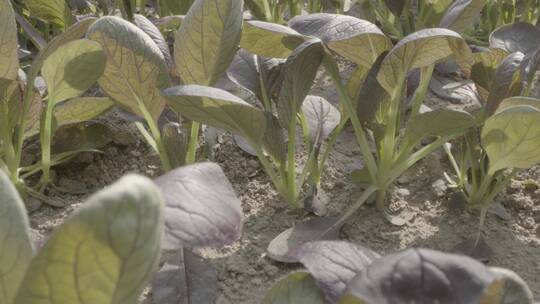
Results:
421 276
201 207
299 73
334 263
462 14
283 248
321 116
506 82
518 37
202 281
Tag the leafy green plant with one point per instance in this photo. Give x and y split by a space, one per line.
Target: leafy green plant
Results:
258 126
138 65
345 273
94 256
69 66
505 135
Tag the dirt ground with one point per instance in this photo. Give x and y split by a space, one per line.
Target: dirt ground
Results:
244 271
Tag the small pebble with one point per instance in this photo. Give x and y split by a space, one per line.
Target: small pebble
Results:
402 192
439 187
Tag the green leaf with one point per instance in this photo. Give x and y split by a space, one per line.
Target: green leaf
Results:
321 117
512 138
296 288
73 69
421 49
270 39
81 136
135 71
519 101
104 253
16 249
484 68
175 7
153 31
207 41
462 14
436 123
81 109
218 108
299 73
355 39
506 82
9 60
56 12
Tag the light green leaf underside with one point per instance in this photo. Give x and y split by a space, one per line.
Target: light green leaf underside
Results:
53 11
462 14
512 138
219 109
436 123
16 248
207 41
296 288
421 49
105 253
270 39
81 109
9 61
135 71
519 101
72 69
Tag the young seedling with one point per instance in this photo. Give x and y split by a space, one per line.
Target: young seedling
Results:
138 63
94 256
505 136
21 104
345 273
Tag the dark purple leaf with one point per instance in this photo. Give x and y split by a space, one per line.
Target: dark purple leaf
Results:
421 276
191 273
334 263
201 207
506 82
462 14
518 37
151 30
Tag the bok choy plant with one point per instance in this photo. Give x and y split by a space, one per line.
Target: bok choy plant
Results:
505 137
69 65
138 64
374 99
345 273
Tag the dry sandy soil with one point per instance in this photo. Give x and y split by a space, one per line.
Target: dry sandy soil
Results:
245 272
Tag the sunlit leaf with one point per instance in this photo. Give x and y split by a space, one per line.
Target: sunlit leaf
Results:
355 39
81 109
16 249
56 12
208 40
72 69
135 71
218 108
421 49
512 138
104 253
9 60
270 39
436 123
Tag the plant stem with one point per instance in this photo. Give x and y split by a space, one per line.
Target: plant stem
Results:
380 199
193 141
361 137
420 93
156 134
291 162
46 135
7 140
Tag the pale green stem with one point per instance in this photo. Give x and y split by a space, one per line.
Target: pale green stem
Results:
361 137
421 91
46 136
291 162
193 142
